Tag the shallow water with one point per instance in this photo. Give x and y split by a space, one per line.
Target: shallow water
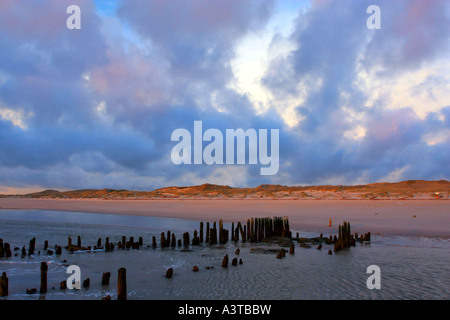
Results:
411 268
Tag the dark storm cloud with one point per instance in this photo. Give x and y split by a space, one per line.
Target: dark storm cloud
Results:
333 45
98 105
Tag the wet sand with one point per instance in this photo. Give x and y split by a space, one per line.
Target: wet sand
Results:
430 218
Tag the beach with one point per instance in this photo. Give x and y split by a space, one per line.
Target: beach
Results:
428 218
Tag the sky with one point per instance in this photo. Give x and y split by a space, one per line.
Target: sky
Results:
96 107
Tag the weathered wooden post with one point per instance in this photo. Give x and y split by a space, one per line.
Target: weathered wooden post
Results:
221 232
99 243
243 235
214 234
2 251
207 232
195 239
163 240
44 269
24 251
233 233
292 249
225 261
167 242
107 244
169 273
201 231
79 241
141 241
186 239
173 243
105 278
45 244
7 250
153 242
32 246
122 284
3 285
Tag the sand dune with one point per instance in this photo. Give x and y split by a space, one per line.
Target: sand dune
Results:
405 190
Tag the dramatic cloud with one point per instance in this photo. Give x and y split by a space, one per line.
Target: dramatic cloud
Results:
95 107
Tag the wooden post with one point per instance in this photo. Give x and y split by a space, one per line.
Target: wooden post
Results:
3 285
153 242
79 241
141 241
24 251
32 246
122 284
225 261
248 230
292 249
2 251
44 269
107 244
195 239
7 250
105 278
163 240
221 240
186 239
169 273
207 232
252 233
243 235
232 232
174 241
214 240
201 231
99 242
46 245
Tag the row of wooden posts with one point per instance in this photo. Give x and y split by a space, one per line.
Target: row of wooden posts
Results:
345 239
256 230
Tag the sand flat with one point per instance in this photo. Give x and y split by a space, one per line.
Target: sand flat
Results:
429 218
